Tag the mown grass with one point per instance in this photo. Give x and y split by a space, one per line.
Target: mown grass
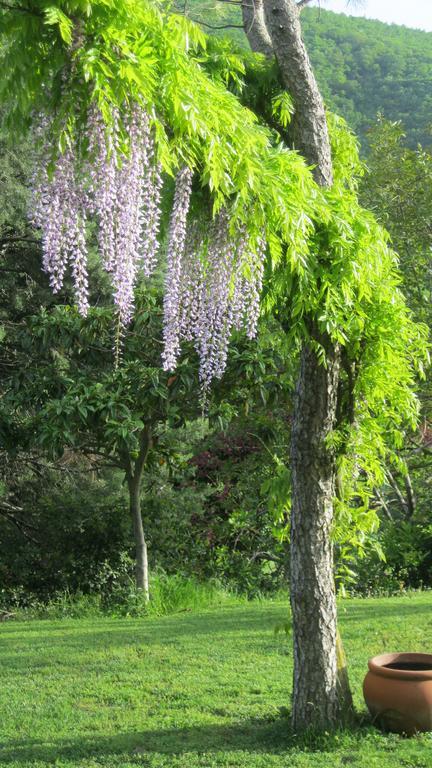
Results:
210 689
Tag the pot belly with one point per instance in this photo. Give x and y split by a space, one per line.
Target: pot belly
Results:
400 706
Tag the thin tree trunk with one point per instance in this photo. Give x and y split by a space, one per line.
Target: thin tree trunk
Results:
255 27
411 499
321 687
134 475
141 560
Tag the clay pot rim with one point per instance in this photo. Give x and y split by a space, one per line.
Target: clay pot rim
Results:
376 665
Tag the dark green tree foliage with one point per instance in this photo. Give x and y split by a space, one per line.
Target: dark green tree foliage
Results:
397 187
219 496
63 399
65 523
66 392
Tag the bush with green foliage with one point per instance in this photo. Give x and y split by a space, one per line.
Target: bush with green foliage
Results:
398 188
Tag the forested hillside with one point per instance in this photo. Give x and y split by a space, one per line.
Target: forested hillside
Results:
363 66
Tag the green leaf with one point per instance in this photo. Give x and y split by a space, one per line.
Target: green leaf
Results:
53 16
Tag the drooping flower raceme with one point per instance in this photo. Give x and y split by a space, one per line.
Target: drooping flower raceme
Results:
121 190
58 211
213 267
175 268
213 282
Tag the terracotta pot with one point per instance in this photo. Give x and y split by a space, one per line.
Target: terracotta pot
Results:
398 692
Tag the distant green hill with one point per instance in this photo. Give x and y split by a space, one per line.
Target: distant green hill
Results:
363 67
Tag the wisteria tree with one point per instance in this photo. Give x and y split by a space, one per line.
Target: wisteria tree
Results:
274 29
123 95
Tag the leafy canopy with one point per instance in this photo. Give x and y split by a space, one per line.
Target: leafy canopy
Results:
330 267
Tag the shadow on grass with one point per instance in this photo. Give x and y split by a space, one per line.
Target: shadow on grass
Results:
261 736
177 630
377 612
116 634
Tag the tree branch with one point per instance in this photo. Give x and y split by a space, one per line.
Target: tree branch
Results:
397 491
223 26
145 445
382 502
17 239
265 556
256 29
22 527
6 505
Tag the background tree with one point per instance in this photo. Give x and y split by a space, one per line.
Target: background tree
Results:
64 395
398 188
70 395
316 698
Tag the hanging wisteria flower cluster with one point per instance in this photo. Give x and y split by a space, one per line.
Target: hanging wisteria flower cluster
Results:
120 190
213 272
212 286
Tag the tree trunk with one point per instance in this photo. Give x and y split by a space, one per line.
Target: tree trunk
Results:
313 599
141 561
134 474
309 120
255 27
321 688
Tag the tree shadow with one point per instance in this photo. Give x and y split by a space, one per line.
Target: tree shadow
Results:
361 613
271 736
166 631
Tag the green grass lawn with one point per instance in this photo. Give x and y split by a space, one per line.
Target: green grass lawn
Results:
208 689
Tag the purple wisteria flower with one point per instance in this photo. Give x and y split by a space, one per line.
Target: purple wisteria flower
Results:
175 268
214 268
212 287
120 189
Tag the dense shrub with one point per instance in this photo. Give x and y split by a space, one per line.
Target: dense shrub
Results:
407 547
69 526
117 596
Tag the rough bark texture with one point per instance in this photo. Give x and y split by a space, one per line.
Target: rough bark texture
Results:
134 480
313 601
309 121
255 27
320 689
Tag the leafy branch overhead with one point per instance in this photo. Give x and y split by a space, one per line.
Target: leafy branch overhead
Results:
243 202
